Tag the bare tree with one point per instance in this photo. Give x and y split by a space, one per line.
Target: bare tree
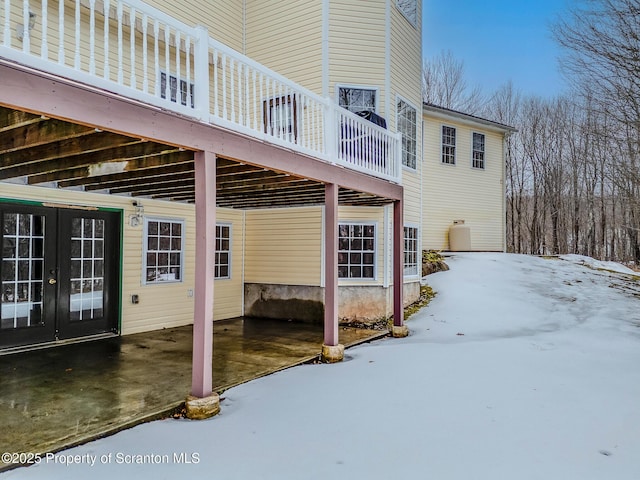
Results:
444 84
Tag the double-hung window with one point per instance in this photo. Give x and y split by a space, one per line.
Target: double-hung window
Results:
410 251
223 251
448 145
356 250
407 126
164 250
477 154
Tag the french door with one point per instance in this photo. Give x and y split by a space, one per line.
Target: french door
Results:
59 273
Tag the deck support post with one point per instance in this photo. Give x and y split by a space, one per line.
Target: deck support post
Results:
203 403
332 351
399 329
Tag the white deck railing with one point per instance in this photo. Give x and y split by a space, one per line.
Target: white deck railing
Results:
137 51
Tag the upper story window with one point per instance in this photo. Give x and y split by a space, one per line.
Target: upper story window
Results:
407 126
448 145
357 99
223 251
409 9
176 91
281 117
164 250
477 155
356 250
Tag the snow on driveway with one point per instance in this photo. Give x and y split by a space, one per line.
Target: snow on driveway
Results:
520 368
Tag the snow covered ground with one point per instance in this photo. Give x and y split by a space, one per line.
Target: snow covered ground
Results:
520 368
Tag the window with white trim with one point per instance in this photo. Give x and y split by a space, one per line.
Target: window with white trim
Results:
356 250
410 251
164 250
407 126
409 9
223 251
357 99
171 90
477 154
448 145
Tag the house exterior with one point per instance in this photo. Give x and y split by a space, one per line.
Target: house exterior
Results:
172 164
163 164
463 178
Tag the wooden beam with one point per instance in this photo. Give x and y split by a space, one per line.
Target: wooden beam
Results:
133 184
64 148
125 149
40 133
10 118
159 188
137 177
81 175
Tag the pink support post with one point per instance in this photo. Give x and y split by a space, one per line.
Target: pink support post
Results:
331 265
398 264
205 186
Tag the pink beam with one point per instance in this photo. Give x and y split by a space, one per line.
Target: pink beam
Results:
205 186
26 89
331 264
398 263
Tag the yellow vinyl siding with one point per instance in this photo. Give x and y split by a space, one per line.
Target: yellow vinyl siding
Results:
227 292
223 18
406 59
460 192
284 246
287 38
357 46
160 305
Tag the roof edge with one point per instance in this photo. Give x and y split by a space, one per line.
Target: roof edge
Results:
448 113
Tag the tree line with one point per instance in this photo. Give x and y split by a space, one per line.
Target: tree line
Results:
573 166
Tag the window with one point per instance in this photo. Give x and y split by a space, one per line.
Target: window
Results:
223 251
448 145
407 127
356 250
173 89
164 242
477 155
410 251
281 117
409 9
357 99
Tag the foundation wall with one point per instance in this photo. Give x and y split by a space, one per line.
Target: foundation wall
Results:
356 304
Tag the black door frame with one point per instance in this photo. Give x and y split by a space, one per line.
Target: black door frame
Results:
56 274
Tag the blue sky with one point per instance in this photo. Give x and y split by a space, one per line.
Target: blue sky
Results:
498 41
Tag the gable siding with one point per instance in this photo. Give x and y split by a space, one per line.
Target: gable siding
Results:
287 38
460 192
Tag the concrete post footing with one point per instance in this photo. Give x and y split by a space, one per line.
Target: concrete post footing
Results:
201 408
399 331
332 353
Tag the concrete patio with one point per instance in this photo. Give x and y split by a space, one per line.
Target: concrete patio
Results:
54 398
